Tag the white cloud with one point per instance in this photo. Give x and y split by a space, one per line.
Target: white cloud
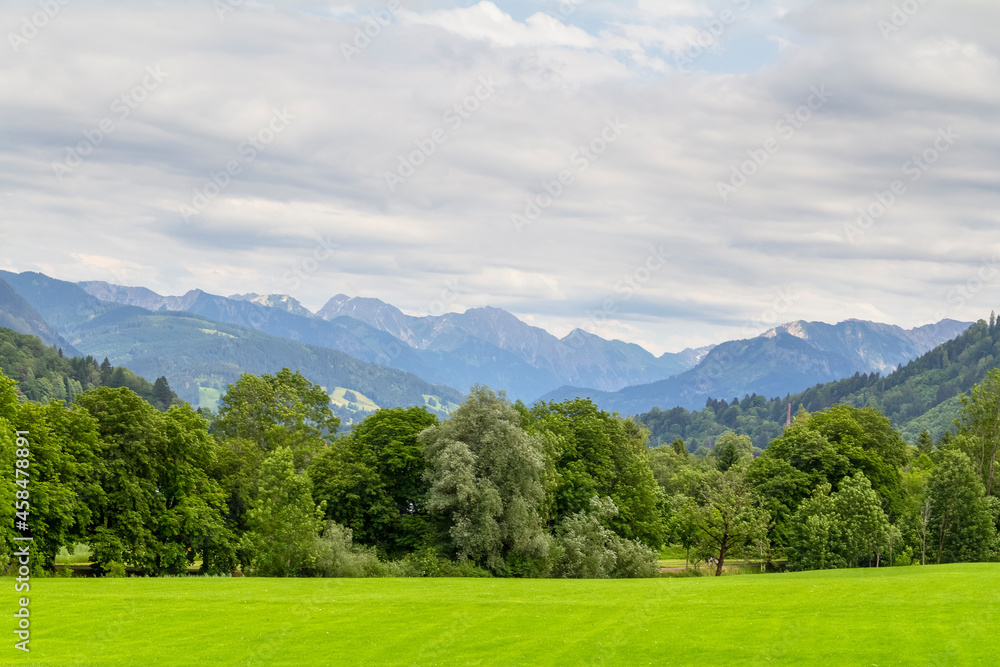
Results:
558 83
485 21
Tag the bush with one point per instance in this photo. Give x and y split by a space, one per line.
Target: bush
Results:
589 550
904 558
428 563
115 569
334 555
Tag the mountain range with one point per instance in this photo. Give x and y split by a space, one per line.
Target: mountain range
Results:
369 353
786 359
483 345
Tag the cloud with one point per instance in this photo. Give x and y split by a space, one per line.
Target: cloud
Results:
487 22
411 95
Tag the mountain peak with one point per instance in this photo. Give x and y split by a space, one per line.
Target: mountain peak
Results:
279 301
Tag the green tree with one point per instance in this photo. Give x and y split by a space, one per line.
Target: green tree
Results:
730 449
925 443
684 524
284 522
680 448
979 432
162 395
8 483
485 474
731 517
280 410
595 454
373 481
815 534
863 526
961 521
64 461
159 508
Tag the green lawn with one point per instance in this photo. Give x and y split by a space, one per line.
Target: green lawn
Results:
899 616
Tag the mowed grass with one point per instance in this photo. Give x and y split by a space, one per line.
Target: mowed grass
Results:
947 615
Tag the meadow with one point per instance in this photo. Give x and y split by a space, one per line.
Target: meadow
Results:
934 615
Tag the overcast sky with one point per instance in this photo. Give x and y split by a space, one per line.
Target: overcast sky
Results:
713 156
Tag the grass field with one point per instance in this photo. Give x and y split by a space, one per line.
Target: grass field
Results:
947 615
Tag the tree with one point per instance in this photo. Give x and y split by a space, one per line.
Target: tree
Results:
680 448
815 534
284 522
925 443
864 527
485 476
373 481
925 520
730 449
832 446
8 483
162 395
159 508
979 430
280 410
684 524
594 454
65 457
731 517
960 519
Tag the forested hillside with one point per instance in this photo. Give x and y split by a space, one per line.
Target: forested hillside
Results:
43 373
922 394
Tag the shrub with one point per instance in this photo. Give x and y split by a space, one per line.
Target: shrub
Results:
589 550
334 555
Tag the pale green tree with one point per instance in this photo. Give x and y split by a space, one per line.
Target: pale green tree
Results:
485 474
589 550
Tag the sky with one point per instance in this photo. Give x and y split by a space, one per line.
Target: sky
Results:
672 173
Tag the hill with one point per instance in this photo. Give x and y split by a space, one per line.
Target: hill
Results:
18 315
922 394
43 373
201 357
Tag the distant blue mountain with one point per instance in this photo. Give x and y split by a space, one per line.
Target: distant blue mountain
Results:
786 359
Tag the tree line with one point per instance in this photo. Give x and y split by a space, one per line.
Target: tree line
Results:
267 485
